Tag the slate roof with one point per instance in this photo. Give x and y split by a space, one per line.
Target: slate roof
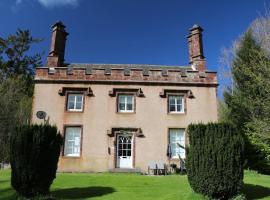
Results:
123 66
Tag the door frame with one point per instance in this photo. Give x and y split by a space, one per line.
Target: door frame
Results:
124 132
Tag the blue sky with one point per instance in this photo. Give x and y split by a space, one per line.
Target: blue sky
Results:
132 31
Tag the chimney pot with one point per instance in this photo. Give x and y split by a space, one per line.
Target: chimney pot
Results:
58 24
196 26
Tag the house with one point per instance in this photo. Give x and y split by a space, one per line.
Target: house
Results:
123 116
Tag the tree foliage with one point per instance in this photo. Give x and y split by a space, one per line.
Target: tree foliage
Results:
248 100
15 109
15 60
34 155
215 159
17 67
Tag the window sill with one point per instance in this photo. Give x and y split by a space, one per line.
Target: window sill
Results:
74 111
176 159
176 113
126 112
71 157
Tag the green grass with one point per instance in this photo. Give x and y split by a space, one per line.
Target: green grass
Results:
106 186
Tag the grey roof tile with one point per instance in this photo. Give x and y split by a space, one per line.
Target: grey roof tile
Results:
130 66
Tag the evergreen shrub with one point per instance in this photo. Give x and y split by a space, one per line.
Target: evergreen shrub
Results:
34 154
215 160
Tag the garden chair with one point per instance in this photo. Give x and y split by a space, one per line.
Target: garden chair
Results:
152 166
161 168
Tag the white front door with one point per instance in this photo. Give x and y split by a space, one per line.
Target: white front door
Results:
124 150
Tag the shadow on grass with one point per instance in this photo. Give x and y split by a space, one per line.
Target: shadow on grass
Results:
7 194
79 193
5 190
4 181
255 191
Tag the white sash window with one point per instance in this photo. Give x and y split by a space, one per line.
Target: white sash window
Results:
72 141
125 103
177 136
176 104
75 102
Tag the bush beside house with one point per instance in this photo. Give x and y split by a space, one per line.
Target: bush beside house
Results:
215 160
34 156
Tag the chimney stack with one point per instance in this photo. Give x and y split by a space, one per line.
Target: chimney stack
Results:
196 57
58 43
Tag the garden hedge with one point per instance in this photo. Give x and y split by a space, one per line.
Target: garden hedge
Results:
215 160
34 156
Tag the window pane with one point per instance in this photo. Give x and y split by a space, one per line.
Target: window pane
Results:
68 150
71 97
171 100
74 130
172 136
121 106
129 99
177 151
179 108
68 145
182 138
76 150
121 98
177 137
173 148
71 105
78 105
71 100
129 107
79 98
172 108
119 152
179 100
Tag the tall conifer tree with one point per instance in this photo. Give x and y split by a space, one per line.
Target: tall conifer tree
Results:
248 100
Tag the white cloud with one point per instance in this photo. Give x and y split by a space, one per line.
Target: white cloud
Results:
45 3
57 3
15 7
18 2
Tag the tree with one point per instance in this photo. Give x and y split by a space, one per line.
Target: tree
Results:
17 68
15 109
34 155
215 160
15 48
248 100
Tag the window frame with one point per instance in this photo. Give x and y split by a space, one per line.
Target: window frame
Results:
183 110
64 143
67 101
176 157
133 102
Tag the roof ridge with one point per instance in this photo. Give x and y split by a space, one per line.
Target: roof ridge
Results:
130 65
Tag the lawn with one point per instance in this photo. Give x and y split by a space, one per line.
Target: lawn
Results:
106 186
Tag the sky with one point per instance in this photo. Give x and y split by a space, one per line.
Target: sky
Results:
132 31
